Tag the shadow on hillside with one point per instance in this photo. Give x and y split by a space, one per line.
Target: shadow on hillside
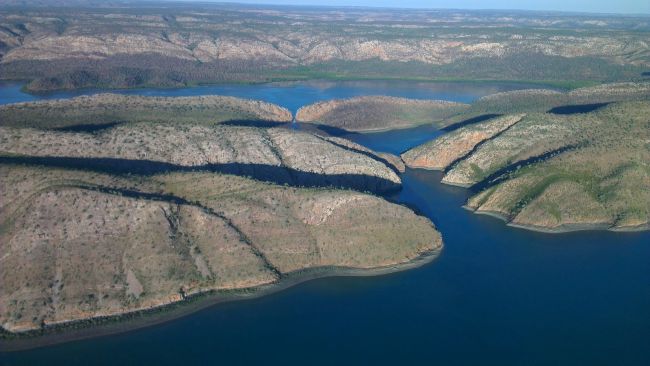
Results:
319 129
254 123
502 174
578 108
468 122
89 128
268 173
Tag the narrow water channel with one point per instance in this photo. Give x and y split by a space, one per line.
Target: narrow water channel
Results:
496 295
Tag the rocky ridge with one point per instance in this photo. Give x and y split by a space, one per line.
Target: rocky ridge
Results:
79 245
371 113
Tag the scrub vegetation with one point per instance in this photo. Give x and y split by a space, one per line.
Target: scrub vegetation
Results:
575 167
81 45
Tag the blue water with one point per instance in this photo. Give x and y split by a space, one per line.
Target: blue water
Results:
496 296
294 95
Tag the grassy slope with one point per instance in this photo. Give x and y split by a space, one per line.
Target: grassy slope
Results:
593 170
606 180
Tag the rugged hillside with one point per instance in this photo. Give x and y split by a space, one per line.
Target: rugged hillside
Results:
601 180
444 151
370 113
79 245
553 171
173 44
578 100
105 109
275 154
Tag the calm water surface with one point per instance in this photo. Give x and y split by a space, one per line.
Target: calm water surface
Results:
294 95
496 295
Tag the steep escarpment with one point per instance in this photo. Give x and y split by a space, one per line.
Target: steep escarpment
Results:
103 109
276 154
534 135
79 245
370 113
441 153
111 46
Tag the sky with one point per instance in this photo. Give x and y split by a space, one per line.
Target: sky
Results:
592 6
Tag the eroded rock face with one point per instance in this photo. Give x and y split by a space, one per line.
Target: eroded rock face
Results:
181 46
531 136
440 153
191 36
377 112
275 154
78 245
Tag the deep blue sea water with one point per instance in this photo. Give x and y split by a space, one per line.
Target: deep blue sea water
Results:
496 296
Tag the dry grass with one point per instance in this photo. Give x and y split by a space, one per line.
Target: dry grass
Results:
74 245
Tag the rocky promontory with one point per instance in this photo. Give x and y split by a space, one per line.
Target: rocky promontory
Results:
374 113
441 153
574 167
79 245
105 109
274 154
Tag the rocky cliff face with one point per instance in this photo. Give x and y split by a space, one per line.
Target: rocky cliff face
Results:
441 153
118 47
79 245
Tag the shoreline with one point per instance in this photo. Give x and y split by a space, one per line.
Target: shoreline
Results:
552 84
386 129
561 229
77 330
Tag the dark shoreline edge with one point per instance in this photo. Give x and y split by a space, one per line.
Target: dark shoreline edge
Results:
104 326
564 228
544 84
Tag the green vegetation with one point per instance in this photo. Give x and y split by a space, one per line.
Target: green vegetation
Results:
371 113
173 45
552 167
106 109
554 72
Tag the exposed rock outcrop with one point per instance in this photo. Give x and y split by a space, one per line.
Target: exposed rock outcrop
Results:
441 153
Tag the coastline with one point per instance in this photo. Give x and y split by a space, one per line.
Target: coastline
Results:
371 131
131 321
564 228
553 84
